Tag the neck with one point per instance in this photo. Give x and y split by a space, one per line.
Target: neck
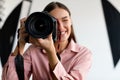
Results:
60 46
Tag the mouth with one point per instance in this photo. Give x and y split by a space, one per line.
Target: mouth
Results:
61 34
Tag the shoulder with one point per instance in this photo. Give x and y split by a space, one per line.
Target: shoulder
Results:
32 50
83 48
78 48
83 54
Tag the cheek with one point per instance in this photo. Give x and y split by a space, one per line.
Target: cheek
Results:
69 30
69 26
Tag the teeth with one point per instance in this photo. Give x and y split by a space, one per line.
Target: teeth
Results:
61 32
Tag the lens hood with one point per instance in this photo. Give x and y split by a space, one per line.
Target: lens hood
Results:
40 25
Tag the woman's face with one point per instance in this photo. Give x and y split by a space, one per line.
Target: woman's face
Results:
63 23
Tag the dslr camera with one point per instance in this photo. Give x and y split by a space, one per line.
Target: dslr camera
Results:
40 25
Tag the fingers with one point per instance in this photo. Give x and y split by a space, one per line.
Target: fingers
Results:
33 41
21 31
22 22
50 36
22 25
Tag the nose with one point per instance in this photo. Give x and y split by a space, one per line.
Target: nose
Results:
60 25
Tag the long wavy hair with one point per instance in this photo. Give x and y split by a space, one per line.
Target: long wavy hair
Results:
51 6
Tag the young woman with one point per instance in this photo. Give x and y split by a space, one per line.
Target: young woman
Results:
41 59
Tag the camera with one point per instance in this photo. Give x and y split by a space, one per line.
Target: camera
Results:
40 25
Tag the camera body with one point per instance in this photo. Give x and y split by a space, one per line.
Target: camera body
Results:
40 25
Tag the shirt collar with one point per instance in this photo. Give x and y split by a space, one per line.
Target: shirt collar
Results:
73 46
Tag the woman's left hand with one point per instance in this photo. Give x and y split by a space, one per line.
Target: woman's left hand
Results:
47 44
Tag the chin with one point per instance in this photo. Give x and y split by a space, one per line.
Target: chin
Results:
63 40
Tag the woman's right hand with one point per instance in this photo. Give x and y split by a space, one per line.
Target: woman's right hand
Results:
22 34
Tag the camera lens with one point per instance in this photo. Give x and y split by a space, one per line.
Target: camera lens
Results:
41 24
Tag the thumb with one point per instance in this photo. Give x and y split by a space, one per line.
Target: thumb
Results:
50 36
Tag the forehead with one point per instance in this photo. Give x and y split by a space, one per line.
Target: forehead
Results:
59 13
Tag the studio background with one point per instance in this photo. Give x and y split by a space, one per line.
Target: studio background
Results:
90 30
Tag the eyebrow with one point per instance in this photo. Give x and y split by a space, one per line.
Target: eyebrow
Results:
64 17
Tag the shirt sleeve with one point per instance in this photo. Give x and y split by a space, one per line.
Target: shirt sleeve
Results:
78 70
9 71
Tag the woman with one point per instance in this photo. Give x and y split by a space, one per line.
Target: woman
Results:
41 60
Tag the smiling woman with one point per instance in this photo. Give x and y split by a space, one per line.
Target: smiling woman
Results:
45 59
90 30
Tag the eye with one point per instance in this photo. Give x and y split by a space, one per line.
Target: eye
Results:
65 20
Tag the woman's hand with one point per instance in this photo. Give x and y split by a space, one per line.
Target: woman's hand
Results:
21 38
22 32
47 44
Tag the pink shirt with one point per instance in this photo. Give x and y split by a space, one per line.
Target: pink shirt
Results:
74 64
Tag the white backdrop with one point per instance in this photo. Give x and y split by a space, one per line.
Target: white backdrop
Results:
90 30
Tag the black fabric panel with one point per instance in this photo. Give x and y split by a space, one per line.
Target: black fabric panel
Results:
112 18
7 34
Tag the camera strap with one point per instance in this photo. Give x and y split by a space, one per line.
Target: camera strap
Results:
19 64
58 56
